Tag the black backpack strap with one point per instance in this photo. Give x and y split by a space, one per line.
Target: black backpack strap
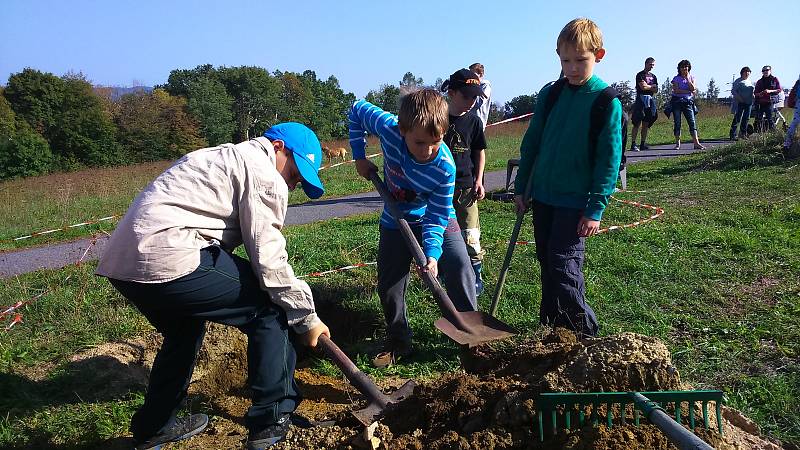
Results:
599 117
552 96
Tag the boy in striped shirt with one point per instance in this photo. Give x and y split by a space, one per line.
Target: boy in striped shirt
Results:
420 172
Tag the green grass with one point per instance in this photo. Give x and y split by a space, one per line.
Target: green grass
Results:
59 200
716 278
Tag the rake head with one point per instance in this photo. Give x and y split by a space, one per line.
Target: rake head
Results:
569 403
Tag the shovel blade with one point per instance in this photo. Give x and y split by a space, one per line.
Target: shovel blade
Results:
483 328
375 411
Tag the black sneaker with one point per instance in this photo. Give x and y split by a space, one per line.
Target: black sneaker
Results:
634 148
644 147
184 428
270 435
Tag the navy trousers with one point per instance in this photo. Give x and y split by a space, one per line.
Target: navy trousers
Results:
560 252
225 290
394 259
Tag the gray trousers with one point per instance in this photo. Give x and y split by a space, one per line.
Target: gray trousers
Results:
560 252
394 260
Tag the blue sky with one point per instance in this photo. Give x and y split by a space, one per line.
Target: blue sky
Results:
368 43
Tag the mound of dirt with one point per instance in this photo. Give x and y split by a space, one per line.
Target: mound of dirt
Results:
490 405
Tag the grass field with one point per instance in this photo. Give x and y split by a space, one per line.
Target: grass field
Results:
59 200
716 278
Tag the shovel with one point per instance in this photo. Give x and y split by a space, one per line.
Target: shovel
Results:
510 251
469 328
378 401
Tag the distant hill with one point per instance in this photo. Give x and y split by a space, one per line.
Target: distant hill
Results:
119 91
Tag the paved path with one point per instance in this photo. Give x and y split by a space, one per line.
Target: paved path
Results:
61 255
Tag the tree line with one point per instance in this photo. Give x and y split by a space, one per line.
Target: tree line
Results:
50 123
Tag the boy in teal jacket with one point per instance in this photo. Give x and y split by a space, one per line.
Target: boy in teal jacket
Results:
572 180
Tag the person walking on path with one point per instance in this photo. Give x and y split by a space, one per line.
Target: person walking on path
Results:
682 101
172 256
743 97
645 110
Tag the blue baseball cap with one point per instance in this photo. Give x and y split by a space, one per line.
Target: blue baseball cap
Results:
306 150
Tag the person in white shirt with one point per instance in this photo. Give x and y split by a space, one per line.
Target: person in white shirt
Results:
482 104
171 255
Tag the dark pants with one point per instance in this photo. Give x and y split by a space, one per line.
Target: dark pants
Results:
741 118
394 259
222 289
560 252
764 110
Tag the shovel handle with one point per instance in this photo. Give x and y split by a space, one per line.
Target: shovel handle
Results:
357 378
512 243
445 304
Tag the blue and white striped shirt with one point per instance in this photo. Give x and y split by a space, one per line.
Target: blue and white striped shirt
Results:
424 191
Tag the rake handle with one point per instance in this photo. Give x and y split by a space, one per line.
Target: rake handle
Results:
675 432
357 378
442 299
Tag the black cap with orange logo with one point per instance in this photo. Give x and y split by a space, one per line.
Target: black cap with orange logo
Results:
466 81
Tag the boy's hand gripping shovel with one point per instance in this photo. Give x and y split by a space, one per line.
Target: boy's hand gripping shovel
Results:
469 328
378 401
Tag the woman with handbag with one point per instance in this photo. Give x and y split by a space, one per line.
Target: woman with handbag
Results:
683 90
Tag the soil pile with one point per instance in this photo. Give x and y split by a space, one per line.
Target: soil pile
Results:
490 405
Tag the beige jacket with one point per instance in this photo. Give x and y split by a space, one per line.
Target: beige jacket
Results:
230 195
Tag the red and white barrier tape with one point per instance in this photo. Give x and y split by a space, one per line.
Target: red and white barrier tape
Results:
657 212
54 230
352 161
510 120
116 216
18 305
341 269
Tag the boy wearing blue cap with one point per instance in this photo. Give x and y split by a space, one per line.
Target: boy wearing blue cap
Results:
172 257
420 172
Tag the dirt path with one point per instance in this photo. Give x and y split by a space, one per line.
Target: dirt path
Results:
61 255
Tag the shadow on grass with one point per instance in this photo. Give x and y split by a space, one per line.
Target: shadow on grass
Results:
92 380
96 379
41 442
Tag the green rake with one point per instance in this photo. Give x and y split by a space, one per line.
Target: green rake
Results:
647 402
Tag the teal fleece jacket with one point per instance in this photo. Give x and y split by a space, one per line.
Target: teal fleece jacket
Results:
558 152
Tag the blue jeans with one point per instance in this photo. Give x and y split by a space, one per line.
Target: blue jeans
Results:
787 142
687 108
394 259
764 110
560 252
225 290
741 118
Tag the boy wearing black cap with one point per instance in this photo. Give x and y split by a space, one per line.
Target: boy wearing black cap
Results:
420 173
172 257
465 139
